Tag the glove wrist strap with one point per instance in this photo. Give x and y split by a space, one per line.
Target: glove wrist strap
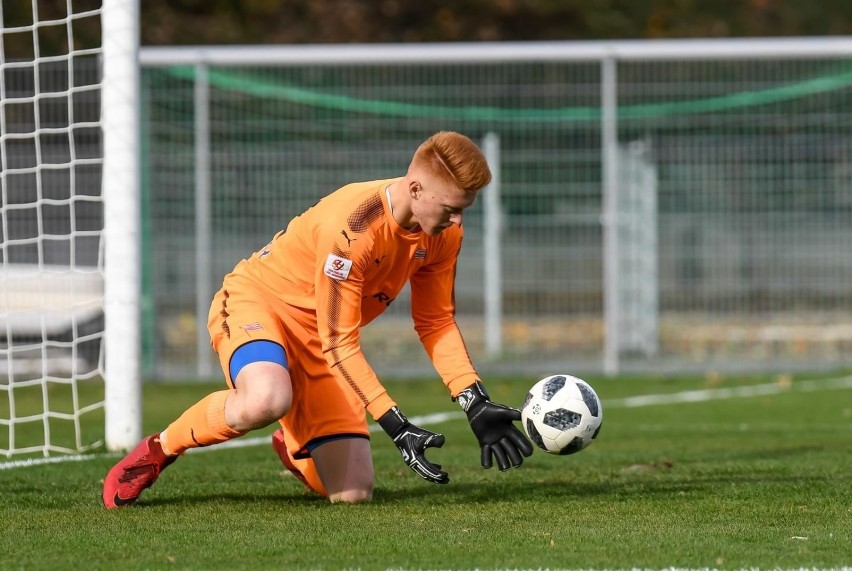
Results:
392 421
472 396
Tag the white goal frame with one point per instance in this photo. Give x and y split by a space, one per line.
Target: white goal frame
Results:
122 234
85 314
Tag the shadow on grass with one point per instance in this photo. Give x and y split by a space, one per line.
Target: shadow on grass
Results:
617 488
70 487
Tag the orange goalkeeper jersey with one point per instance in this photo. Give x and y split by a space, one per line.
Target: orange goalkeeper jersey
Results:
343 261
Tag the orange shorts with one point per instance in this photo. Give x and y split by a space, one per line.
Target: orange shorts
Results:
322 407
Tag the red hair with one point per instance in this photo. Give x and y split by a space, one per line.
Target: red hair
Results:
453 155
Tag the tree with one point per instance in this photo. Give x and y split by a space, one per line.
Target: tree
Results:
343 21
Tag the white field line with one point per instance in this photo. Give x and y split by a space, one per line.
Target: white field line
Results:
441 417
425 420
729 393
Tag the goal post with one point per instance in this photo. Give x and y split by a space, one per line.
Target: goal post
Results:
122 235
69 227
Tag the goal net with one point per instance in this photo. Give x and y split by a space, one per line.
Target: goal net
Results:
57 195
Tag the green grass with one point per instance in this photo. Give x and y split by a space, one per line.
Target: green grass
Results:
746 482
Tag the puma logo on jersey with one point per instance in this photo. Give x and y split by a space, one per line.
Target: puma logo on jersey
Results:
348 239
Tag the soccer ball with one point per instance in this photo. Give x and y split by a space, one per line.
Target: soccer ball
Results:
562 414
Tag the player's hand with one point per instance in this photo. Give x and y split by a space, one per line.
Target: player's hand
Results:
412 442
493 425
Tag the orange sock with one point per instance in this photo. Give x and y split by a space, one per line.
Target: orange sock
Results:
202 424
308 469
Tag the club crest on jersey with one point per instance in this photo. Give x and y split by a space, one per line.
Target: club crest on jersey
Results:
337 268
420 254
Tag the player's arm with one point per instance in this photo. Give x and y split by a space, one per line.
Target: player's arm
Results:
339 285
433 310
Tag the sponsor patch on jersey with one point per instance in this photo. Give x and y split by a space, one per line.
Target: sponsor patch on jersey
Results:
337 268
420 254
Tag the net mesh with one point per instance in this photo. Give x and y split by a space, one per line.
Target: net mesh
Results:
51 217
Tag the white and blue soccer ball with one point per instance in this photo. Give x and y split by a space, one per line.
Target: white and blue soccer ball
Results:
562 414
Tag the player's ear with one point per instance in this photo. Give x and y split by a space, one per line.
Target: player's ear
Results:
414 188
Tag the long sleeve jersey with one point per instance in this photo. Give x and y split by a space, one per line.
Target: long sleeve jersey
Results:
343 261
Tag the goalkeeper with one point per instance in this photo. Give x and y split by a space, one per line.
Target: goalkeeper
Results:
285 325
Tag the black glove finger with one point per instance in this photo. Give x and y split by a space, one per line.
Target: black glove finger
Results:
520 441
500 454
512 452
485 458
434 441
515 414
503 412
428 471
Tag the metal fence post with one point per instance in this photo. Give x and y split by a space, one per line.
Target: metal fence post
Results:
609 161
492 229
203 223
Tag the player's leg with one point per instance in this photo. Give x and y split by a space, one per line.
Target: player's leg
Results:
345 467
324 439
134 473
256 361
302 468
249 340
339 467
201 424
262 394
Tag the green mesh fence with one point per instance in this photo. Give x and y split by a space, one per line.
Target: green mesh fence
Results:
752 163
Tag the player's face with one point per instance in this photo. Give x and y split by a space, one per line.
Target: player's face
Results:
439 205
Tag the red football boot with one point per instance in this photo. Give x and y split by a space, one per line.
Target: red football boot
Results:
126 481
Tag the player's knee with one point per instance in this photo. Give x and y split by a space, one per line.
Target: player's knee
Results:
265 408
356 487
261 400
353 496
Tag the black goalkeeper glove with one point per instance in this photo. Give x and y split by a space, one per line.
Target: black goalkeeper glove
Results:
412 442
493 426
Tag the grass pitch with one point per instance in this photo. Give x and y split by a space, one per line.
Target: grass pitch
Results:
724 473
